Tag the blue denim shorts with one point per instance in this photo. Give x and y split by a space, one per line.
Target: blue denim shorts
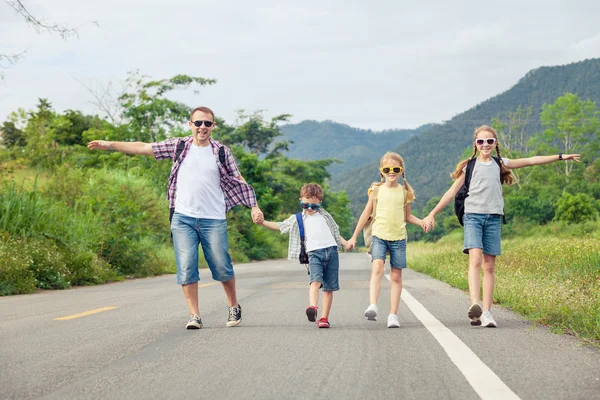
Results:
397 249
482 231
324 266
188 234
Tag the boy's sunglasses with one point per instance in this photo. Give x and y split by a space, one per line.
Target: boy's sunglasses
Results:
481 142
387 170
198 123
310 206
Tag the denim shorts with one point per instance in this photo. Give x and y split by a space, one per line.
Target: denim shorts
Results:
397 249
324 266
188 233
482 231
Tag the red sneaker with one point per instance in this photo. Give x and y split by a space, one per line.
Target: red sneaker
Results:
311 313
323 323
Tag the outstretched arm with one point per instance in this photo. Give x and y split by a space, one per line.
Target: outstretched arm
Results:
429 221
122 147
539 160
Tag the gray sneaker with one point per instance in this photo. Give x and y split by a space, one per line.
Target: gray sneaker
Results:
235 316
194 323
474 314
371 312
487 321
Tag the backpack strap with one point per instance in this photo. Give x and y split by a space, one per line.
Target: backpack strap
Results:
180 148
469 172
300 226
222 159
375 193
500 166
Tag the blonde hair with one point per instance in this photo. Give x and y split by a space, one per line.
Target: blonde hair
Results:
505 174
390 155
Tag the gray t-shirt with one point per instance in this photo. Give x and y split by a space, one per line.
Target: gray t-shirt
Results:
485 189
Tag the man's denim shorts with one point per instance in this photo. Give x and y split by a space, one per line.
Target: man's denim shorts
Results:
324 266
482 231
188 233
397 249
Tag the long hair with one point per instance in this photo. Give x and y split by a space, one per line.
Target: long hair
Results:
410 197
505 173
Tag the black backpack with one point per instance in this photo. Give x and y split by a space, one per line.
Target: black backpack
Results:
180 147
463 192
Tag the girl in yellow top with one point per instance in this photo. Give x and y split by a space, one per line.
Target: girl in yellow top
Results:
389 232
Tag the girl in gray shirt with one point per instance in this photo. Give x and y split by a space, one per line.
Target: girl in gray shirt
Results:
484 208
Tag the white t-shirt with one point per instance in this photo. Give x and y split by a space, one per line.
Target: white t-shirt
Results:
199 193
317 233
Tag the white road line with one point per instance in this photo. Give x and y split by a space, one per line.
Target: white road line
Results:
481 378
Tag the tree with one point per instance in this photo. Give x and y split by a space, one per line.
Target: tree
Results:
512 137
570 123
65 32
149 114
255 134
12 129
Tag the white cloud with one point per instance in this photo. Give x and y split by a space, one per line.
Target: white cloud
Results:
373 65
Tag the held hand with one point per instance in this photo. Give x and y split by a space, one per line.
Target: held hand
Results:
351 243
257 216
99 145
428 223
571 157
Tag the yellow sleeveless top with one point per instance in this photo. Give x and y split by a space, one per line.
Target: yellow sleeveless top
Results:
389 221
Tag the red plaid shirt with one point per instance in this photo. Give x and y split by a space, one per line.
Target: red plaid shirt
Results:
236 192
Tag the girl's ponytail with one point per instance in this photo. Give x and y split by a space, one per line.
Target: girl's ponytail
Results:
461 165
410 197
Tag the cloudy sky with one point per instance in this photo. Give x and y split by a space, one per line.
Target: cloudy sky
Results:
374 65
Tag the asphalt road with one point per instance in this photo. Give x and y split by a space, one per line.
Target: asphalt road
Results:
136 346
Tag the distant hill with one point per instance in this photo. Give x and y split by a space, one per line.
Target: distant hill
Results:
315 140
431 155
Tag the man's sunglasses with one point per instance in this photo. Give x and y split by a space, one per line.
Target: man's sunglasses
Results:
387 170
310 206
481 142
198 123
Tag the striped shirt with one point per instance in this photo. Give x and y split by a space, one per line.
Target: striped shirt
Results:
290 226
235 191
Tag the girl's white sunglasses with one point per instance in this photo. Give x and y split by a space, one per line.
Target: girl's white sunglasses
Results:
481 142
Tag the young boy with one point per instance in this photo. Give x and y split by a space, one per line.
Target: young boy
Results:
322 238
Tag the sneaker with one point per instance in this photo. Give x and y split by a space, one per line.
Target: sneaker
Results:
474 314
235 316
194 323
323 323
371 312
393 321
311 313
487 321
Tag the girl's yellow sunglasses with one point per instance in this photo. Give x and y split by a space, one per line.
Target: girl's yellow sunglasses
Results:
395 170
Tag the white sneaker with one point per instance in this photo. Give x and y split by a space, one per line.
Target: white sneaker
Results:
393 321
371 312
474 313
487 320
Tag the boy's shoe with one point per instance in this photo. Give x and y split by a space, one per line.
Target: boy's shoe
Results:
393 321
474 314
311 313
235 315
194 323
371 312
323 323
487 321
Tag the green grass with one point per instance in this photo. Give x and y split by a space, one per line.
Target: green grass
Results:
552 280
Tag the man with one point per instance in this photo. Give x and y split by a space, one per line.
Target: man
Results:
202 187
